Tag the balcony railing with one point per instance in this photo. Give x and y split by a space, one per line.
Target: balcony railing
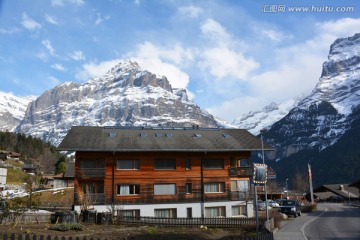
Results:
90 173
240 172
241 195
90 199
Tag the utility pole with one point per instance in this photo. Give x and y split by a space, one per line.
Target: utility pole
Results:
265 188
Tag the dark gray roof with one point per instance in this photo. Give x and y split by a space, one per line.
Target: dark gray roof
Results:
70 170
340 189
136 139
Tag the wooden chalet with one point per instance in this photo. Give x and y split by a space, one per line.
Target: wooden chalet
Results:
163 172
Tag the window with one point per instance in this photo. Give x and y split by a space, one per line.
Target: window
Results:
128 189
215 163
189 212
129 213
241 185
244 163
238 210
166 213
188 164
215 212
128 164
164 189
164 164
215 187
188 188
92 163
95 187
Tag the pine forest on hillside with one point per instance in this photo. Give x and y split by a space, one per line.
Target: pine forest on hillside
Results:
33 151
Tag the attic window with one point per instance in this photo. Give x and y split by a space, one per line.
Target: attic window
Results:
112 134
143 134
158 134
226 135
197 135
169 135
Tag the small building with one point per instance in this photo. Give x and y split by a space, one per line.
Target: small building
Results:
336 193
65 179
163 172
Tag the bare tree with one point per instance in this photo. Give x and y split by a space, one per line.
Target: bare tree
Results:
300 182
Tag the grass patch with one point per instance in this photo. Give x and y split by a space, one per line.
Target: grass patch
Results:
63 227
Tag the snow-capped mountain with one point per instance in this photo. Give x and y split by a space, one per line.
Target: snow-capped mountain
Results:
320 119
255 121
125 95
12 110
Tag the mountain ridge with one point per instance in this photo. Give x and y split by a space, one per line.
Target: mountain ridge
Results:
125 95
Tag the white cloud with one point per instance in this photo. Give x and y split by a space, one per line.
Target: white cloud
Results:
223 62
225 58
190 11
29 23
53 80
296 70
100 18
215 32
176 77
51 19
92 69
42 56
46 43
58 67
9 30
175 54
77 56
63 2
164 61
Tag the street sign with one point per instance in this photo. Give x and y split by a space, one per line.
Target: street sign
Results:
271 174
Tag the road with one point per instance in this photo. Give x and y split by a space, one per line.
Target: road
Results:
331 221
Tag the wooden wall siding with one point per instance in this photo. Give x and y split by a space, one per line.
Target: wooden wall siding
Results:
146 177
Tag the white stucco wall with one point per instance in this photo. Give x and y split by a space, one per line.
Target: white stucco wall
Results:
149 209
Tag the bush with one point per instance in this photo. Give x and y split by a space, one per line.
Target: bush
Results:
277 218
63 227
309 208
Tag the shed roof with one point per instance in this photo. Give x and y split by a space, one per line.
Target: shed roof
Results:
140 139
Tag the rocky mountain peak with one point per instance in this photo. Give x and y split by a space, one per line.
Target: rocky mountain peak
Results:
125 95
321 118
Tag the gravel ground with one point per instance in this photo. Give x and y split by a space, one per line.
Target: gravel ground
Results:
120 232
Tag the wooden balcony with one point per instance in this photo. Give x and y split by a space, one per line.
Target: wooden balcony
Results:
240 172
90 173
241 196
90 199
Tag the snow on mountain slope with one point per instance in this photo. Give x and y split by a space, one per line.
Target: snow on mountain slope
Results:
126 95
321 118
12 110
254 122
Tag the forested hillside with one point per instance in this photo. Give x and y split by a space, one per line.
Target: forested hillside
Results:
33 151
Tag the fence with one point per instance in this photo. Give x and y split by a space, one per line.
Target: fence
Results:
29 217
19 236
190 222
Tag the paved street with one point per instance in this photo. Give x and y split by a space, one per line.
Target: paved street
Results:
331 221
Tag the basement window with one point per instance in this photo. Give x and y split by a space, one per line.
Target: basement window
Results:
226 135
197 135
143 134
112 134
169 135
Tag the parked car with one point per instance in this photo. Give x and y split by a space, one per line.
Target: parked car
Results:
262 205
273 204
290 207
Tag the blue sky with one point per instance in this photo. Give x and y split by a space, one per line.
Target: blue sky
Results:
232 56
